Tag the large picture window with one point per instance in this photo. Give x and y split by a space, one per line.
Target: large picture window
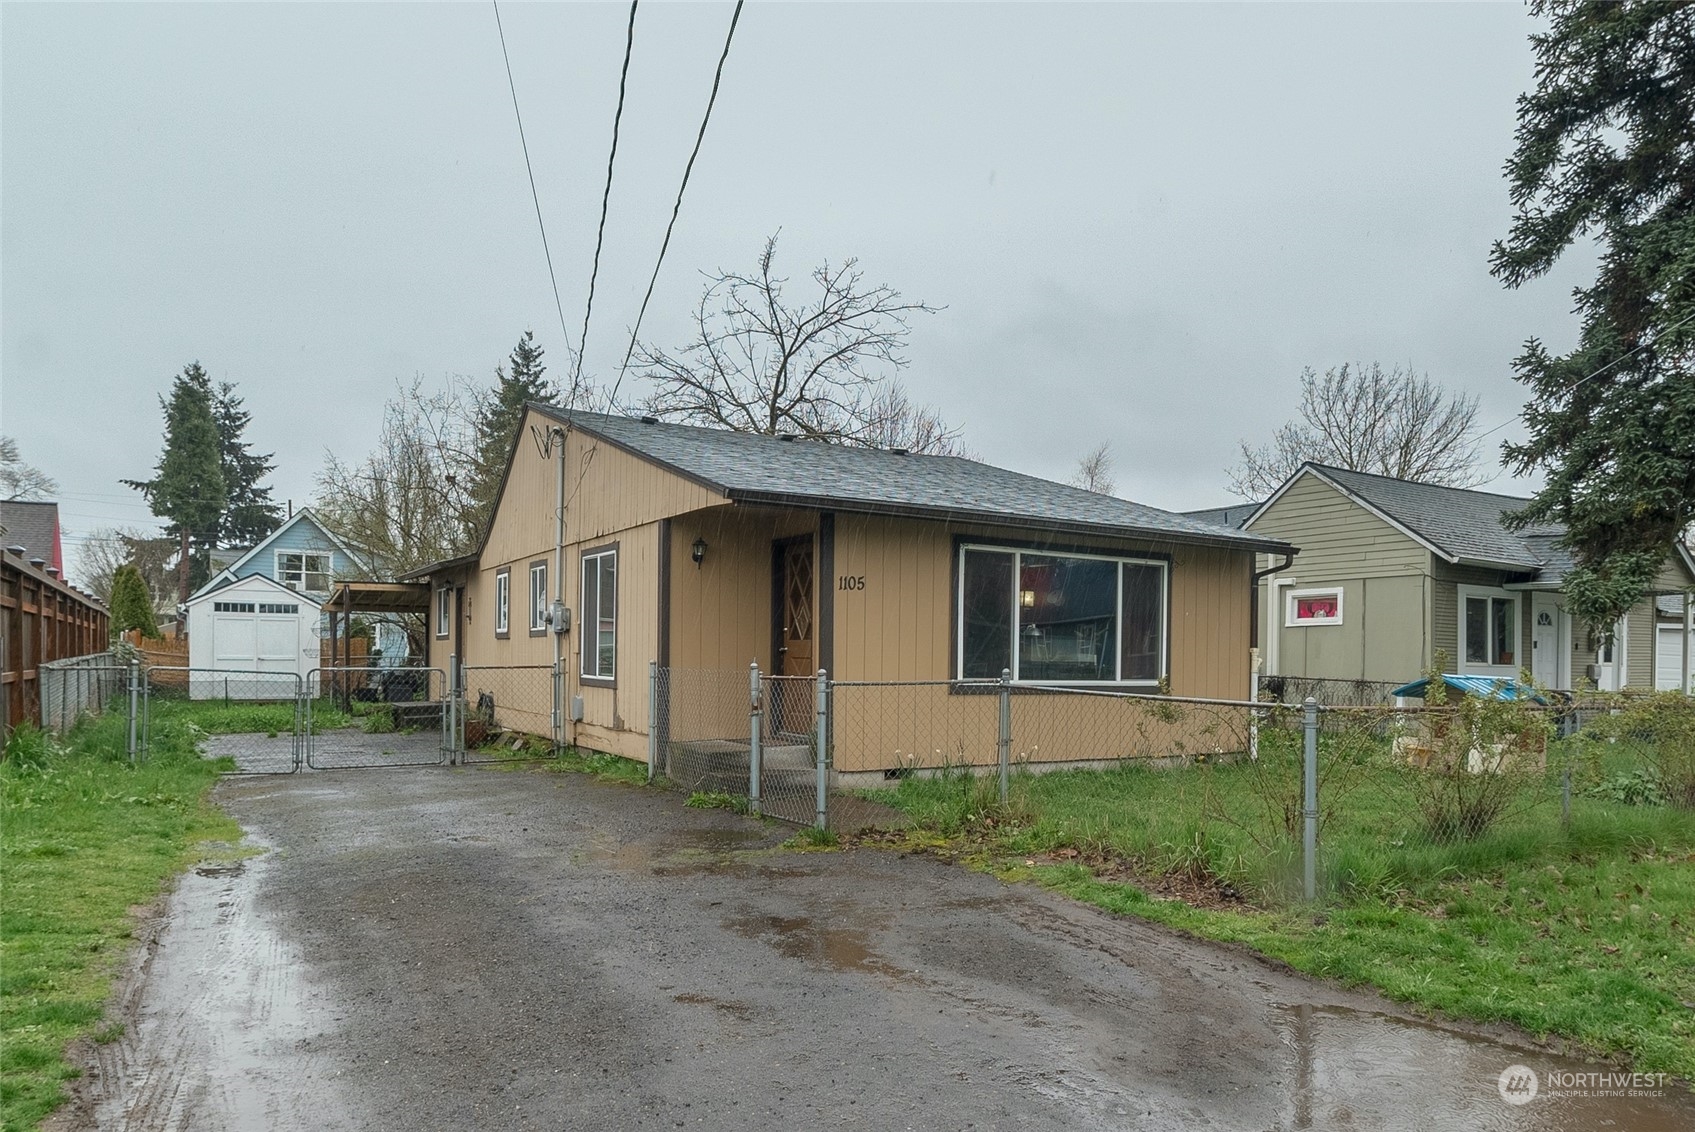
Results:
1489 628
304 571
1061 618
600 614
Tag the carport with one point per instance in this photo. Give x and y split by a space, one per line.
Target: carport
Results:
394 599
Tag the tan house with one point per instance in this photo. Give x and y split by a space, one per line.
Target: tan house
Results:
704 550
1390 573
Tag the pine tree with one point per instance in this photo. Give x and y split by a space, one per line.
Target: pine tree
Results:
500 410
250 515
1606 151
131 606
188 487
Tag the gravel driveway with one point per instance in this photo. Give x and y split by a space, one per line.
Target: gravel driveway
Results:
510 949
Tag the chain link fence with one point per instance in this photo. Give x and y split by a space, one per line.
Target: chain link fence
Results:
253 718
80 686
364 717
506 712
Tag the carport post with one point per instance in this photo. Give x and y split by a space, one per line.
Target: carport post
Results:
652 718
754 739
821 750
452 717
134 693
1309 799
1003 745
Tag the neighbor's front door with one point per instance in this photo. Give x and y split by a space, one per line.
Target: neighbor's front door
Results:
1545 639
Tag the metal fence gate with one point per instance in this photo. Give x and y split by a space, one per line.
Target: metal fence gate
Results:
377 717
254 718
506 712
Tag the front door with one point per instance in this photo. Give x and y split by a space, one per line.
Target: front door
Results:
1545 640
793 634
795 654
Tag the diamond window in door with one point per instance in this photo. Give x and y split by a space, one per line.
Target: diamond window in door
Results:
797 594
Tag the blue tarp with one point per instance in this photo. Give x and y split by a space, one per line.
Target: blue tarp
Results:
1483 687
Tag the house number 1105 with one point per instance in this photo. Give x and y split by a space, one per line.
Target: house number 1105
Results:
851 582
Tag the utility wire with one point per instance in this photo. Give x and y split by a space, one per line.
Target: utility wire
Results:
700 136
717 78
1582 380
528 168
605 199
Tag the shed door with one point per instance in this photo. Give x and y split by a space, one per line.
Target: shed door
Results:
279 640
234 640
1668 663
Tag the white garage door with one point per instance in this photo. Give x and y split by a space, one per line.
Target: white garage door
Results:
234 640
1668 658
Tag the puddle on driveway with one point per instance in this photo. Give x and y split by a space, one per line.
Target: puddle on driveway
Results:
739 1009
803 938
1352 1066
707 852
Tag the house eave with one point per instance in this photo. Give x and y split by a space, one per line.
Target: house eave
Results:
1002 519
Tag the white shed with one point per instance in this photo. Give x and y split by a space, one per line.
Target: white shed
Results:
252 625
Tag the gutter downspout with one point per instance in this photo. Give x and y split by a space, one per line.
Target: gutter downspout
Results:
1253 630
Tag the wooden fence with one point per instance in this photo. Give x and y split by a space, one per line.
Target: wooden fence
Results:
42 618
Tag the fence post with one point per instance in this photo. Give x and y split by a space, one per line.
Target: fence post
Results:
821 753
451 718
1309 799
134 694
755 739
1003 745
652 718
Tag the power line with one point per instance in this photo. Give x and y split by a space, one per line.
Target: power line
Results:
676 208
528 168
605 199
1582 380
717 78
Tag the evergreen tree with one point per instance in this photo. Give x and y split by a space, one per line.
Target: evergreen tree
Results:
250 514
499 412
1606 151
131 606
189 487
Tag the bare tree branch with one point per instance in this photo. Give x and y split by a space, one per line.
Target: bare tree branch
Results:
1395 423
825 368
1094 469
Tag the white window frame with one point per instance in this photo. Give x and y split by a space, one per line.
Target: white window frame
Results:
538 598
444 611
306 571
1492 668
589 622
1121 561
1292 599
502 603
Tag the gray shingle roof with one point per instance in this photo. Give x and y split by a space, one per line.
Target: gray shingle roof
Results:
752 468
30 524
1232 516
1464 524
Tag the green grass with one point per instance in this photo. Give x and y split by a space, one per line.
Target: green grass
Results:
1586 932
85 838
603 767
717 800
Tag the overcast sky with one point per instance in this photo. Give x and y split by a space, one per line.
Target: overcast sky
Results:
1143 220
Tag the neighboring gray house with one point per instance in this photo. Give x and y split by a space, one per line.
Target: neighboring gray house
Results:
1392 572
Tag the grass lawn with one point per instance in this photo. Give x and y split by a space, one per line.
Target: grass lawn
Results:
84 839
1586 931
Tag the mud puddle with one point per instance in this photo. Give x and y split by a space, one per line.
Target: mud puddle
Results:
709 852
218 1023
1358 1067
805 939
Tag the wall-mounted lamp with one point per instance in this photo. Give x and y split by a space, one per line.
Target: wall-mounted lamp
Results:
698 551
1027 598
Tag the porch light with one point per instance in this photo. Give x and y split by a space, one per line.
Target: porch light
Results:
1027 598
698 551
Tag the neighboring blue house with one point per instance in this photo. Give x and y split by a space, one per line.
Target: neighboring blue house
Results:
306 557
